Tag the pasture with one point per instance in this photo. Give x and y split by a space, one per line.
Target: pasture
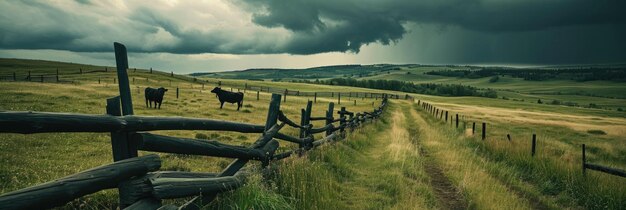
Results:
409 159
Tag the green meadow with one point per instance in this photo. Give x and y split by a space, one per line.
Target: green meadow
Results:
407 159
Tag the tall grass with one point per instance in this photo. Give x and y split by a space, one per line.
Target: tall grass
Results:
554 174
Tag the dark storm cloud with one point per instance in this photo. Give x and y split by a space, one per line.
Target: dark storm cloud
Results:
358 22
301 27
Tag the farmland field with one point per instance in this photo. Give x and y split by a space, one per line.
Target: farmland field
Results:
409 159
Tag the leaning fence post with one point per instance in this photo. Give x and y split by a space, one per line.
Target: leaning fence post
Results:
329 116
121 60
484 130
534 143
584 161
508 136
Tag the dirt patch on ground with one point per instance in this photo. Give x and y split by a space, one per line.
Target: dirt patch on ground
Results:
449 196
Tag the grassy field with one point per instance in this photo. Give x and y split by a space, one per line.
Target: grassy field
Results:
406 160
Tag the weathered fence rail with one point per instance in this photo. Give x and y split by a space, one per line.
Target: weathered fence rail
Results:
139 183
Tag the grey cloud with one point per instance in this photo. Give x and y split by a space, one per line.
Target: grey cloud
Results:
310 27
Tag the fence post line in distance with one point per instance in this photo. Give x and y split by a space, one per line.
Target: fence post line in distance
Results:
534 145
484 130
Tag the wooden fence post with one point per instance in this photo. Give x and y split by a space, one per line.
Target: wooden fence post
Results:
446 116
41 78
355 102
14 77
508 136
176 92
534 144
484 130
314 97
457 120
329 116
98 80
473 127
584 161
150 70
341 116
339 98
306 114
172 74
257 95
57 74
332 94
29 79
302 123
81 70
285 99
121 61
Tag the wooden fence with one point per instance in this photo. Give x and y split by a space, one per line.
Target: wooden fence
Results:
439 114
140 184
57 77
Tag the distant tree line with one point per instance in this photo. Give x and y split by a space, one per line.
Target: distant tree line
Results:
577 74
429 88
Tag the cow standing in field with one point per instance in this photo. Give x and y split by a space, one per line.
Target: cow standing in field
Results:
227 96
155 95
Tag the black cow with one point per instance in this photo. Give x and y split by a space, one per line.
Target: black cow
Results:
227 96
155 95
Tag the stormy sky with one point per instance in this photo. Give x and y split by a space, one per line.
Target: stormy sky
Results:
215 35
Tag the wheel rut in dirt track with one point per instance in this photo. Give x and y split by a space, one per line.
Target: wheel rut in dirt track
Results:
447 193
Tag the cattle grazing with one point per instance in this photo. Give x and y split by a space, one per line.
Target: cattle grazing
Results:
227 96
155 95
